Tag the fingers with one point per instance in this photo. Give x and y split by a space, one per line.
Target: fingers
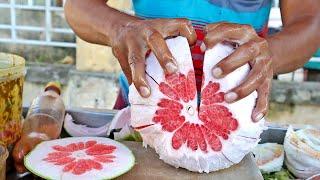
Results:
213 26
136 60
175 27
253 50
241 56
185 29
221 32
159 47
253 81
262 101
123 61
131 52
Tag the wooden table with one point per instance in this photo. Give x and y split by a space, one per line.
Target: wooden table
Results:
149 167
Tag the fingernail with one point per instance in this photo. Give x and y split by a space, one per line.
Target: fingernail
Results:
231 96
217 72
259 117
144 91
171 68
203 47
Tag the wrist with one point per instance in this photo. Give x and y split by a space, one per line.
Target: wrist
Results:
273 53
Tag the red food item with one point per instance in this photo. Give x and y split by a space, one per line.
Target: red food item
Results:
215 120
80 158
74 156
12 131
205 136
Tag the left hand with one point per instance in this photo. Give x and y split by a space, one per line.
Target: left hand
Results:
253 50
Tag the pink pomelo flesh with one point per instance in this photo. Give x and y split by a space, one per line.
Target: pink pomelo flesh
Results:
81 158
204 138
215 120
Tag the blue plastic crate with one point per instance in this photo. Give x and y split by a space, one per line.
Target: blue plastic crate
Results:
314 62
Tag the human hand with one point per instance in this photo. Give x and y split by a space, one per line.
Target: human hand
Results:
251 49
132 42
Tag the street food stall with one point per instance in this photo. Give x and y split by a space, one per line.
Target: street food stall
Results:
147 163
69 111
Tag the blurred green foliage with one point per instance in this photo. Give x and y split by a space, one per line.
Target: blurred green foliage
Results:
280 175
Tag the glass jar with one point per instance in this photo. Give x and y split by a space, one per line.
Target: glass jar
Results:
12 72
3 157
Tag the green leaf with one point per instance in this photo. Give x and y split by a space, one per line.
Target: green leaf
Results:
280 175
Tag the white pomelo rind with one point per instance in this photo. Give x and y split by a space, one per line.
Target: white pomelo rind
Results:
79 130
121 119
269 157
247 135
123 162
142 115
240 142
315 177
127 134
179 48
242 109
302 152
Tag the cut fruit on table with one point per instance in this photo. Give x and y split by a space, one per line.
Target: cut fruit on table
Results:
80 158
204 138
302 152
269 157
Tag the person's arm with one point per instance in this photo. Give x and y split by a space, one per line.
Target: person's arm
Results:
280 53
292 47
94 21
130 38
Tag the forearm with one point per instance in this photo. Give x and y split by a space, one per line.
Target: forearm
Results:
94 21
295 44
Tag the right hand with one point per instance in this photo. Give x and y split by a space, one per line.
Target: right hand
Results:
132 42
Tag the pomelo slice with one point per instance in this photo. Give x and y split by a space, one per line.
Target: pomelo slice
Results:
205 138
80 158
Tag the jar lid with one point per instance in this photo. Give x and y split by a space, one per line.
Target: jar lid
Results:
56 86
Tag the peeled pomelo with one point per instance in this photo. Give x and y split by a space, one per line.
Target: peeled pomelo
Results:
302 152
269 157
80 158
205 138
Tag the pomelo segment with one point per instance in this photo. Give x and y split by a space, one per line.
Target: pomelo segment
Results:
80 158
207 138
269 157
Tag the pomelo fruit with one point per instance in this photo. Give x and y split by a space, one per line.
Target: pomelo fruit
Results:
80 158
203 138
302 152
269 157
